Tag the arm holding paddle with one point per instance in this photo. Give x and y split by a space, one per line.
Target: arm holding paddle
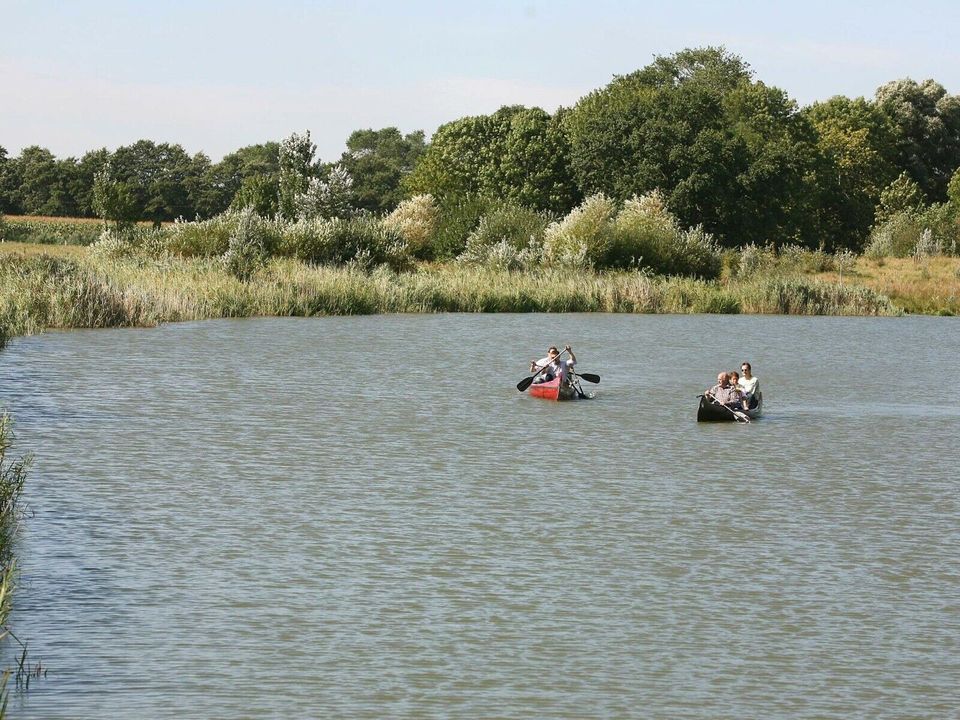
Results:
536 369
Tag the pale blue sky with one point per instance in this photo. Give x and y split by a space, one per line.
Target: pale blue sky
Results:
217 75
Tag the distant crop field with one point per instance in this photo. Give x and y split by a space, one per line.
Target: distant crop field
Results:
52 219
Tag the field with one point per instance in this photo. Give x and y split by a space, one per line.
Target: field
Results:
927 286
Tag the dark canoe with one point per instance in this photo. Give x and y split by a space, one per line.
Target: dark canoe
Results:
552 390
710 411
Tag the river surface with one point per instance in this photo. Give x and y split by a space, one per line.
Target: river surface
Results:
362 518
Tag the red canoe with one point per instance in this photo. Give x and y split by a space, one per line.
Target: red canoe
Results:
551 390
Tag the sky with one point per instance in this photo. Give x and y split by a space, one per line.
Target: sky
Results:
215 76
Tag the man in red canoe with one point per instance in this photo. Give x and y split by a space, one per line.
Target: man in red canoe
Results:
553 366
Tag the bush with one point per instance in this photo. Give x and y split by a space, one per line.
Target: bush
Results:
895 237
364 241
456 220
509 237
129 241
204 238
416 220
247 247
584 237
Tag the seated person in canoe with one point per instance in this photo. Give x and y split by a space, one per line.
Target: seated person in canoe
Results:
726 393
552 366
749 385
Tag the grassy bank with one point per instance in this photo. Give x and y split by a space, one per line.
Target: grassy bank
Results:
12 477
63 288
928 285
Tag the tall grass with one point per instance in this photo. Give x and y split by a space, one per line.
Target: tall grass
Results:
13 474
40 292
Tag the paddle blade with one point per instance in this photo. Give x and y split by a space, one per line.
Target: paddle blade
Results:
590 377
525 383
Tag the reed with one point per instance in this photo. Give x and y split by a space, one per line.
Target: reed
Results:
13 473
39 291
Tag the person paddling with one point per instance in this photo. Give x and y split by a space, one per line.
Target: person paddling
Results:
552 366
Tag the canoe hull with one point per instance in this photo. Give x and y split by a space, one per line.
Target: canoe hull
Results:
711 412
552 390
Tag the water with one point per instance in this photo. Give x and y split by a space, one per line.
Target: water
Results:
362 517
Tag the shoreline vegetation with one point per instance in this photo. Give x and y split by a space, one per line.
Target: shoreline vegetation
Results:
50 286
602 257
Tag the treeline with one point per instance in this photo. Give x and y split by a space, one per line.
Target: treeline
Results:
725 153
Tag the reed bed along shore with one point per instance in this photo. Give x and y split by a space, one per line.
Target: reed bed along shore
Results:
71 290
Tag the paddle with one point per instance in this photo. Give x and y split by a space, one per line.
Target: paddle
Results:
589 377
575 384
526 382
737 414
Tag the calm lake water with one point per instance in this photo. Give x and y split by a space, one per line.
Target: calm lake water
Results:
362 518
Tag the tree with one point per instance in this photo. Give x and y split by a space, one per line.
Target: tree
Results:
86 169
38 177
8 183
855 161
259 192
253 166
113 200
728 153
296 168
156 176
454 163
903 195
532 165
378 160
517 154
927 125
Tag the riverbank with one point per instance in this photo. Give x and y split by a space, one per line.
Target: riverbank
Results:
46 286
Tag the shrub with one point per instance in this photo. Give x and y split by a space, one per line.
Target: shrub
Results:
204 238
584 237
507 237
457 218
247 247
895 237
129 241
416 220
645 230
364 241
648 234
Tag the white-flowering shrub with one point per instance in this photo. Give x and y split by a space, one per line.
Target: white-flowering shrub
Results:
327 197
584 237
247 250
416 220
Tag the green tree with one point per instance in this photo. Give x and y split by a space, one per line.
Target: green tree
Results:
38 177
378 160
727 153
516 154
927 124
8 184
113 199
259 192
953 190
453 164
255 166
156 175
902 196
82 186
532 163
855 161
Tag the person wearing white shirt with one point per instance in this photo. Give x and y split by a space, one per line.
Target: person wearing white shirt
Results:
553 366
749 385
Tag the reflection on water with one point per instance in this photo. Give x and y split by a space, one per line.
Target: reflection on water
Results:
361 517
